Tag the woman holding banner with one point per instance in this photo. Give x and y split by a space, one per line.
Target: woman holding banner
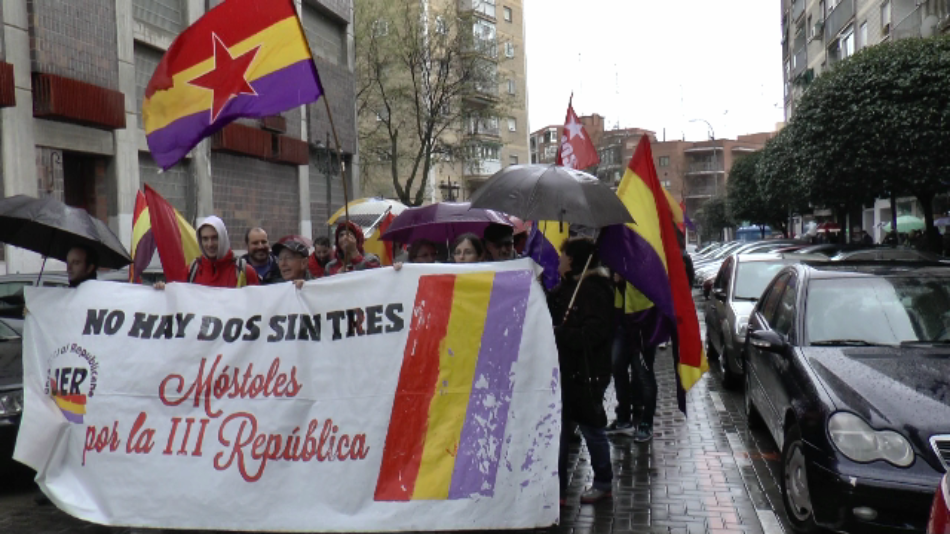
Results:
582 308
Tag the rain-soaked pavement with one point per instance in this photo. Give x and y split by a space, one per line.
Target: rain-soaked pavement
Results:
705 473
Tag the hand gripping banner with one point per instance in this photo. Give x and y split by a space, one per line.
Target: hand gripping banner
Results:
425 399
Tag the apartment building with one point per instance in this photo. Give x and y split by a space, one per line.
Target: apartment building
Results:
72 80
818 33
546 141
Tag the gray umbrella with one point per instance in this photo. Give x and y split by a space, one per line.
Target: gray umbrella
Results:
552 193
50 228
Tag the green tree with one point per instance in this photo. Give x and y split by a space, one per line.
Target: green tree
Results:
415 65
713 218
877 123
779 184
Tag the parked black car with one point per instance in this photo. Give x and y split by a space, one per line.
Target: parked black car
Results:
848 367
11 375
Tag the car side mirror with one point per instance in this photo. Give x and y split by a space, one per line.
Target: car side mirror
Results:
719 294
767 340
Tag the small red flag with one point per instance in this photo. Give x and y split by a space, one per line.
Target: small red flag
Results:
577 150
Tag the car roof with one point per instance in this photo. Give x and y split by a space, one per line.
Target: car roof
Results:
860 269
774 256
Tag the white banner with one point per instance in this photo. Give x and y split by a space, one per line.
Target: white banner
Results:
426 399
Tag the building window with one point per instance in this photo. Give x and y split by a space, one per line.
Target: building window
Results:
512 124
509 50
511 87
507 14
810 28
667 184
440 27
486 7
552 135
664 161
863 35
886 17
512 160
847 43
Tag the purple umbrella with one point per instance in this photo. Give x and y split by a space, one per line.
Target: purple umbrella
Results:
441 222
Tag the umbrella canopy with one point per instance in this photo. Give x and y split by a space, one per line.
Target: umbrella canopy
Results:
943 221
905 224
50 228
366 211
552 193
442 222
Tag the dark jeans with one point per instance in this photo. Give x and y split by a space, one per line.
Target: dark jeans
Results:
599 447
645 377
622 359
634 378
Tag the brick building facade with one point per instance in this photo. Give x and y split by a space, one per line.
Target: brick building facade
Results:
72 80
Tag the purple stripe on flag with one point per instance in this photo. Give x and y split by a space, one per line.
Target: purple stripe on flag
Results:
628 254
281 90
72 417
144 251
544 254
483 432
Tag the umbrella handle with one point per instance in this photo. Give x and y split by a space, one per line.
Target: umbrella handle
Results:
41 272
570 305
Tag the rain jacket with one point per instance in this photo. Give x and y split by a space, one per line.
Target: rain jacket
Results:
359 262
226 270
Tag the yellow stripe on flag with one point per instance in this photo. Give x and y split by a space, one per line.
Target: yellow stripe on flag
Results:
142 226
689 375
555 232
674 207
71 407
458 356
189 240
638 198
282 45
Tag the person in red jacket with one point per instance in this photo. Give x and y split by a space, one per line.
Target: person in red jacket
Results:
349 254
217 266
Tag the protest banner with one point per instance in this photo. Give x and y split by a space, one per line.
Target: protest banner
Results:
425 399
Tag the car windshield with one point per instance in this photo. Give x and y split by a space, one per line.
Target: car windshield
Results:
878 310
753 276
6 331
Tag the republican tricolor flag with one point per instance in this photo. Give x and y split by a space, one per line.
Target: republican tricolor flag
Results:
647 255
175 239
244 58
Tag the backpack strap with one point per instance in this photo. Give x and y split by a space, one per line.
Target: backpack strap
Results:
241 266
193 270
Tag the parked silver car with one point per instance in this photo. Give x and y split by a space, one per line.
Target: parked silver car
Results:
737 287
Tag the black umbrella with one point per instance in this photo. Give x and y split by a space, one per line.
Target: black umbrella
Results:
50 228
552 193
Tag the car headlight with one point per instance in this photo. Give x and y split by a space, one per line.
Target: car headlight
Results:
861 443
11 402
742 326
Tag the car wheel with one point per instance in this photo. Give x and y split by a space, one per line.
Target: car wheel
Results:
731 379
795 489
752 417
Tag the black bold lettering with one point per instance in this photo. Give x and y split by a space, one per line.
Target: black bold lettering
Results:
183 321
143 325
277 325
337 318
79 376
114 321
165 328
309 328
253 331
394 314
210 328
291 327
94 320
232 329
354 323
374 320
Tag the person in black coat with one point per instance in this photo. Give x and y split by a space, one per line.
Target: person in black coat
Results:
584 344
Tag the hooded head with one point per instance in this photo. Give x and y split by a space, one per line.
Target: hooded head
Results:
354 229
219 247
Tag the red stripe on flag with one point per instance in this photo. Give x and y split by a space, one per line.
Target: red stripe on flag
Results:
75 399
167 236
417 384
233 21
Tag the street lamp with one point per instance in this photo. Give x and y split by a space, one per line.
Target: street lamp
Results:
712 133
449 190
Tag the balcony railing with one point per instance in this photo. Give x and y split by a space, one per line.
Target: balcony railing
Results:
482 47
909 25
705 167
798 9
481 168
701 191
839 17
484 7
474 128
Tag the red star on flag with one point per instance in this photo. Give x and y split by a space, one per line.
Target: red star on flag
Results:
228 79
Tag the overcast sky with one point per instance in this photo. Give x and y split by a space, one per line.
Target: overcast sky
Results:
657 64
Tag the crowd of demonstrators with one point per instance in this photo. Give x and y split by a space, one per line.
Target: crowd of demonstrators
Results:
468 248
499 242
217 266
82 263
259 256
293 254
423 251
582 332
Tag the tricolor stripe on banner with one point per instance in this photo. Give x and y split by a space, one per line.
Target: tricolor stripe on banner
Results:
455 387
72 406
